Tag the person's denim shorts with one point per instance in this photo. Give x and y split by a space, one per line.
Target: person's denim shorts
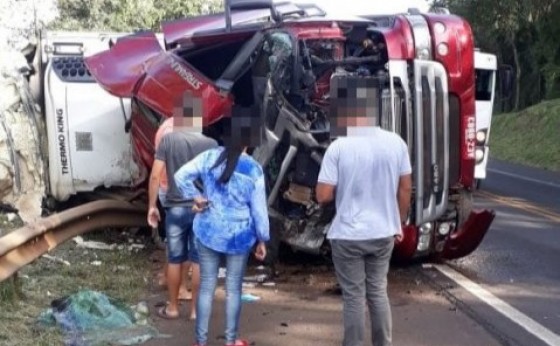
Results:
180 235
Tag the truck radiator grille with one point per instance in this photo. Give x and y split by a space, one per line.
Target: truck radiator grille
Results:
431 140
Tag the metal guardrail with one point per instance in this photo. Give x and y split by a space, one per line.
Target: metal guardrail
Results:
24 245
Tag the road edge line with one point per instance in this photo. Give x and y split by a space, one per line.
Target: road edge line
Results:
501 306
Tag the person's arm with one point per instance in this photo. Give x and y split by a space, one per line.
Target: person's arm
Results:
155 178
404 194
404 191
259 212
328 176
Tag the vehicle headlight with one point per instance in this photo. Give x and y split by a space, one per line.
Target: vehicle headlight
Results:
424 54
442 49
481 136
444 228
426 228
479 154
439 28
423 242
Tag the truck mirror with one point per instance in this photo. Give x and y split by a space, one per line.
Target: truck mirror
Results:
505 78
247 5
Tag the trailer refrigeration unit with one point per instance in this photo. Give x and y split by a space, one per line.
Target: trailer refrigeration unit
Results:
282 59
87 144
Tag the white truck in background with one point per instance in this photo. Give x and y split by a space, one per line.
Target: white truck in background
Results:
486 67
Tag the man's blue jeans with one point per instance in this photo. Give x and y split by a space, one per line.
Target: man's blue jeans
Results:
180 235
235 270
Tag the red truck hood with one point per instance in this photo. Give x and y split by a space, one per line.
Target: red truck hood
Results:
119 69
137 66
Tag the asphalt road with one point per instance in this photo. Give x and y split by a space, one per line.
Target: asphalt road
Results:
518 263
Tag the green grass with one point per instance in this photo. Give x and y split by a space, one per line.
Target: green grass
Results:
530 137
122 274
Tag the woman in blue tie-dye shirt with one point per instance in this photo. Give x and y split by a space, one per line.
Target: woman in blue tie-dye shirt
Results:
232 216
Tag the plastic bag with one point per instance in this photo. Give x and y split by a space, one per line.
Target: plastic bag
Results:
90 318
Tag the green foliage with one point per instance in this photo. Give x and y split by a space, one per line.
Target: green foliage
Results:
523 34
528 137
127 15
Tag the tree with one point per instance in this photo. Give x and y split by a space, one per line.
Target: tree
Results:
127 15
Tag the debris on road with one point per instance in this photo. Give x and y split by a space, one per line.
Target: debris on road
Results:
249 298
91 244
91 318
56 259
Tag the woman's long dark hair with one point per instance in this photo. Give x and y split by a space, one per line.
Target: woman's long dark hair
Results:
230 155
237 135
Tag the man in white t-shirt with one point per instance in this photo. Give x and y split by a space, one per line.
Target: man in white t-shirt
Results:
368 175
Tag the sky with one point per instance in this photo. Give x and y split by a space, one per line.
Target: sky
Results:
364 7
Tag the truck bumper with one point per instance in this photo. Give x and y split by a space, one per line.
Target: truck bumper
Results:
467 238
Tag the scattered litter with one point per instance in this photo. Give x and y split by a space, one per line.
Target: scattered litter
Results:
260 278
284 324
56 259
11 217
427 266
90 244
261 267
96 263
249 285
269 284
222 273
136 246
90 318
248 297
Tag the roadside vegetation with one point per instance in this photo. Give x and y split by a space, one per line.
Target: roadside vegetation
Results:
119 273
530 137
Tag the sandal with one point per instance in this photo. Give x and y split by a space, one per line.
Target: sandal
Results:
239 343
162 312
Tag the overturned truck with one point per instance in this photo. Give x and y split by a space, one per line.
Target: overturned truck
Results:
282 59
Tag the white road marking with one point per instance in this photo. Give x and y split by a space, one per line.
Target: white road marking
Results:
513 175
501 306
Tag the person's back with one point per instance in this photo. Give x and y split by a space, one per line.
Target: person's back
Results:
232 208
179 147
369 177
232 216
165 128
369 167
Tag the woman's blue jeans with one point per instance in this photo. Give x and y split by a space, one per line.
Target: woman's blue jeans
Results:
235 270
